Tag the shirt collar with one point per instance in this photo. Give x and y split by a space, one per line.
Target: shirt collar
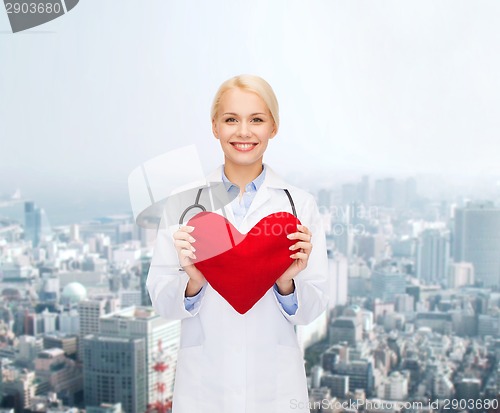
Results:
252 186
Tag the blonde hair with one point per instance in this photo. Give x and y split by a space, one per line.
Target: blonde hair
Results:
249 83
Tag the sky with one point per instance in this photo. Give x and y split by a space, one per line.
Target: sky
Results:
380 87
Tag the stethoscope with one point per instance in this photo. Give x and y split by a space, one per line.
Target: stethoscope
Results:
199 206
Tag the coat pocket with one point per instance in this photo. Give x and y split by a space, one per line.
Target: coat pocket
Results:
188 376
291 382
191 332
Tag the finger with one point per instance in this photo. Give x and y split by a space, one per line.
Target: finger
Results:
300 235
186 228
188 253
300 256
180 244
304 229
301 245
184 236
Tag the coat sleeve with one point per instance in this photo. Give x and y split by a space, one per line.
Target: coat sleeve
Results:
311 284
166 282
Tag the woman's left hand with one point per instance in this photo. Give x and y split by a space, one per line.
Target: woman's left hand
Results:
301 252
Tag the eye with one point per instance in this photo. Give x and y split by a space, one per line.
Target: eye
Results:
257 120
229 120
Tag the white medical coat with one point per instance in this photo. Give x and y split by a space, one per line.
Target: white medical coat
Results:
242 363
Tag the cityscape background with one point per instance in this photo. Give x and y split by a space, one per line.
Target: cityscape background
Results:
413 316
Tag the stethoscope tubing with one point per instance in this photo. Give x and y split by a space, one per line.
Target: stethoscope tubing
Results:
199 206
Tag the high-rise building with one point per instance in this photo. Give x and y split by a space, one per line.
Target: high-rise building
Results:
349 193
32 223
468 389
339 271
364 190
346 329
360 373
460 274
115 371
371 246
145 264
50 288
404 303
335 354
338 385
21 384
488 325
29 347
62 375
130 298
37 323
477 240
324 199
143 322
385 192
433 251
67 343
69 321
387 283
395 387
89 312
343 238
316 374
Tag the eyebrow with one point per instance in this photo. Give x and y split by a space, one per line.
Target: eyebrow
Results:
235 114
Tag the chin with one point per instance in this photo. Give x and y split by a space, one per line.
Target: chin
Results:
244 162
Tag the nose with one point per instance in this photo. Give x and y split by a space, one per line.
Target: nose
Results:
244 130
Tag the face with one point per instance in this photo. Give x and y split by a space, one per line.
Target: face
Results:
243 127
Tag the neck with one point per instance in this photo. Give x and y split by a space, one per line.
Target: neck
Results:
242 175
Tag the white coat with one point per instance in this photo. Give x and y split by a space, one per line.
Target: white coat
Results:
242 363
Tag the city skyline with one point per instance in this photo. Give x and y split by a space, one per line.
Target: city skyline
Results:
411 317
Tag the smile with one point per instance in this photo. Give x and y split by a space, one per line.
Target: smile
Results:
243 147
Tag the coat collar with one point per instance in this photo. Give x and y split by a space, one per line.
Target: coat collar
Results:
271 180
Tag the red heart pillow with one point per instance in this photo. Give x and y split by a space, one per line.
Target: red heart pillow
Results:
242 267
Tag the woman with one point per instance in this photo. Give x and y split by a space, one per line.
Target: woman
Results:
251 362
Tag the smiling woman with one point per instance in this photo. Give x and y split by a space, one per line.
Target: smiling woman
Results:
239 351
243 125
245 116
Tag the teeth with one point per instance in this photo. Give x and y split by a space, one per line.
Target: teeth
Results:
243 145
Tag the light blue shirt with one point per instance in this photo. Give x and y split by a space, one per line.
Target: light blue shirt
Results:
240 208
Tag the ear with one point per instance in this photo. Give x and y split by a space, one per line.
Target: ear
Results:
274 131
214 129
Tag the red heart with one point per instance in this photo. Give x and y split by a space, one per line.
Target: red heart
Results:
242 267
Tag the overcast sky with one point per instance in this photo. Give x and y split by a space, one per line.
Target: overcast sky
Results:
384 87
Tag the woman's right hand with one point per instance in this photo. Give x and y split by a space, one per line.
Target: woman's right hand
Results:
185 251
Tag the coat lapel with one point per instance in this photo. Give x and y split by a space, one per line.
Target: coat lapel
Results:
271 181
216 176
263 195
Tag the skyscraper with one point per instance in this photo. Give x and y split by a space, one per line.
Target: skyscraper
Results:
387 283
115 371
338 268
143 322
89 312
477 240
433 251
32 223
145 264
459 274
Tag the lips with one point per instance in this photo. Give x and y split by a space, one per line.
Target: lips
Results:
243 146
